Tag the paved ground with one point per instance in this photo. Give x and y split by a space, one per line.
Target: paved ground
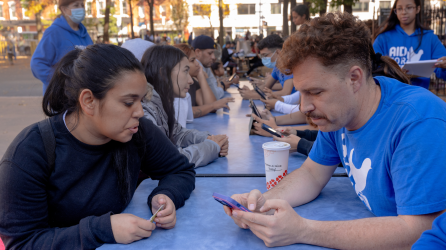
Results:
17 79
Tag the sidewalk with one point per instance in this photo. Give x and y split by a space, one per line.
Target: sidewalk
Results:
17 79
17 113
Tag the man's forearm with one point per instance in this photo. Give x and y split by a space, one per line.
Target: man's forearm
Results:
370 233
291 119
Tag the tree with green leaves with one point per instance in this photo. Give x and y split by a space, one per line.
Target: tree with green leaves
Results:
180 14
110 25
35 7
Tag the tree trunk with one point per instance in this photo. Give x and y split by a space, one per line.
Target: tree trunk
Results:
292 5
220 15
131 19
152 29
285 27
348 8
323 8
106 21
39 25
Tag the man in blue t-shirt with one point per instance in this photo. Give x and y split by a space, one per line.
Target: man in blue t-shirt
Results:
270 49
434 238
390 137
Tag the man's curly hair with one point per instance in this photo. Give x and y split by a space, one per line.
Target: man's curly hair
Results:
335 39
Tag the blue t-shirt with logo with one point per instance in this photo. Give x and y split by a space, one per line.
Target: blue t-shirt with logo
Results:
434 238
403 48
396 162
281 77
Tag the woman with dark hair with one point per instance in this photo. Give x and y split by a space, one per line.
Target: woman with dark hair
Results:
403 38
101 142
300 14
65 34
170 78
203 100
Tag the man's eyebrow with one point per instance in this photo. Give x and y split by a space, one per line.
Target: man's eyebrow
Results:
311 89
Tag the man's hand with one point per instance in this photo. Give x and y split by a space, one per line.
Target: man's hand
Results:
283 228
165 218
258 126
253 200
270 103
128 228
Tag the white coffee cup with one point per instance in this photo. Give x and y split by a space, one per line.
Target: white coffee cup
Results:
276 162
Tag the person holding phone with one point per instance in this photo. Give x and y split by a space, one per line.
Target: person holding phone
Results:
219 73
403 38
270 50
102 141
370 124
170 78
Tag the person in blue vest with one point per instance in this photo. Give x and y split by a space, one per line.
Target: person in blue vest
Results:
65 34
403 38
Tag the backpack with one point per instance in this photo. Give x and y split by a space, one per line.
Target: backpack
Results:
49 141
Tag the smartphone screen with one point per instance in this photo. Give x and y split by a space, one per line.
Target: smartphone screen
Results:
232 77
254 109
260 92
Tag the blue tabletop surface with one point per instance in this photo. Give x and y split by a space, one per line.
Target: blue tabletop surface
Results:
202 223
245 151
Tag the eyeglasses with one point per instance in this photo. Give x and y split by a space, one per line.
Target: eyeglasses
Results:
407 10
263 56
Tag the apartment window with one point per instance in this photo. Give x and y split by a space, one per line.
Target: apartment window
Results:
102 8
246 9
124 7
89 9
201 9
276 8
12 10
163 10
226 11
360 7
384 5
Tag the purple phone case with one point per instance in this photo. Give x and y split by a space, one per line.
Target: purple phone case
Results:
229 202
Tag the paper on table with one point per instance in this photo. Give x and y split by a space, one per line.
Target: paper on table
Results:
420 68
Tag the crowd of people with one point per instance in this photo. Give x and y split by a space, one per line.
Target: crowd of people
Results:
118 115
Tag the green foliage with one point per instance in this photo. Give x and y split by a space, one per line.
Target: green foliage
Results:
112 23
317 5
35 6
180 14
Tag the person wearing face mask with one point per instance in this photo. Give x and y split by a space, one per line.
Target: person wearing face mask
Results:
65 34
270 49
170 79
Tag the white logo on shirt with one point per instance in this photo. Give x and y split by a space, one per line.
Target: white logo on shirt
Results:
402 55
358 175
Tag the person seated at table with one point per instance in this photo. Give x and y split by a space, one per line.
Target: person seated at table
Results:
256 61
203 100
204 51
282 104
226 57
102 141
434 238
219 73
270 50
170 78
388 135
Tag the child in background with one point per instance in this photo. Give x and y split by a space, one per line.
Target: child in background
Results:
403 38
219 73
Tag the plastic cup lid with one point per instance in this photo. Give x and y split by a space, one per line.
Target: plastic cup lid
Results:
276 145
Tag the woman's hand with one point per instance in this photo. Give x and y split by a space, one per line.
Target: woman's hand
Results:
223 103
222 141
255 81
287 130
165 218
292 139
258 125
128 228
441 62
270 103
